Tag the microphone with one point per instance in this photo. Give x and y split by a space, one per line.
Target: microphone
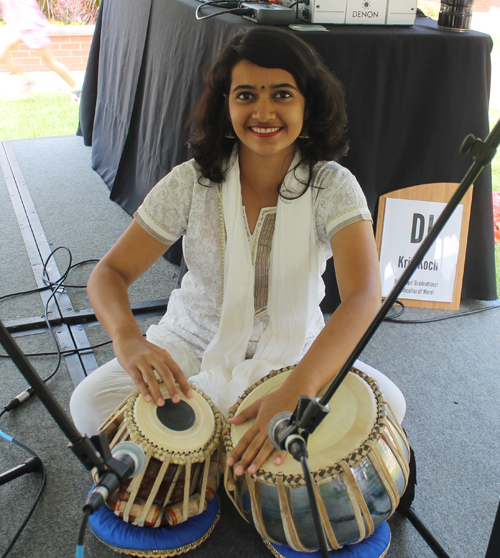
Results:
128 460
33 464
276 427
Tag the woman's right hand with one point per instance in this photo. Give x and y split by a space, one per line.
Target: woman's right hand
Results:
133 254
141 359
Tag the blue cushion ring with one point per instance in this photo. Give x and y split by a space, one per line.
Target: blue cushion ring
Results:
148 541
375 546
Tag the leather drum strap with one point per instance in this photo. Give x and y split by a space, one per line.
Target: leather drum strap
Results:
154 491
358 502
204 483
256 507
325 520
134 489
379 466
187 487
291 534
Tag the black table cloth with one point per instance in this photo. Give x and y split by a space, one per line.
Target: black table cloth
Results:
413 94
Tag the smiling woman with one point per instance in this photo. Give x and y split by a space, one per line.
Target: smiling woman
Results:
265 104
323 136
267 112
262 206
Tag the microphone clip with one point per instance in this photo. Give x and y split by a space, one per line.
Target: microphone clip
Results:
305 419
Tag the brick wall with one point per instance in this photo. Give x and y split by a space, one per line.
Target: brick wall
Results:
70 44
482 5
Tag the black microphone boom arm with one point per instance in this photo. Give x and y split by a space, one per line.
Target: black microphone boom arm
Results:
482 152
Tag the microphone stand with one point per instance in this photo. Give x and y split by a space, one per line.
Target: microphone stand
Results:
93 452
303 423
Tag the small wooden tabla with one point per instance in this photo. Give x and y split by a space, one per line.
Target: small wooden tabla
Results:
359 460
181 442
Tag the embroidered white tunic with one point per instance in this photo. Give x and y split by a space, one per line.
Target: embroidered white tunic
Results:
184 203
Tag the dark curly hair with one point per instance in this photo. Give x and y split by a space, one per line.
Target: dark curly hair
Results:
270 47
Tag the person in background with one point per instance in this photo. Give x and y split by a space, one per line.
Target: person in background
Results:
26 23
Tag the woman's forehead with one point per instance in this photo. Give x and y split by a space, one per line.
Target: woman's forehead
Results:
248 73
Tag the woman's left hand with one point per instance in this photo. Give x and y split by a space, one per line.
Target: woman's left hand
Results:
254 448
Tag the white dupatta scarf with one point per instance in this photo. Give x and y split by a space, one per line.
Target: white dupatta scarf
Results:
292 298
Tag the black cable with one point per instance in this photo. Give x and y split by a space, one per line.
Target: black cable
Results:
67 352
441 318
396 315
230 8
22 293
42 486
51 284
55 286
81 534
228 4
233 11
314 507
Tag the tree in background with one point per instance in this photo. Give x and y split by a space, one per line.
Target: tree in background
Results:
70 11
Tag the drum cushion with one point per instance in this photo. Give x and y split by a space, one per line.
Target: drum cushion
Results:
375 546
148 541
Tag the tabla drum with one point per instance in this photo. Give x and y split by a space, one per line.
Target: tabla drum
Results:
181 443
359 461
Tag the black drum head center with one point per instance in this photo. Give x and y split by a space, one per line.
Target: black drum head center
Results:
176 416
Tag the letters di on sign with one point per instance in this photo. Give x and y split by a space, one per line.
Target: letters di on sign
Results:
406 223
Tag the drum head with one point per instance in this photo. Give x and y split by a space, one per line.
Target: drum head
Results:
347 426
191 432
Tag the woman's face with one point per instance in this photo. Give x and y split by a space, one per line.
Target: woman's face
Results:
266 108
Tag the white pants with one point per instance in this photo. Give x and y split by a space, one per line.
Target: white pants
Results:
96 397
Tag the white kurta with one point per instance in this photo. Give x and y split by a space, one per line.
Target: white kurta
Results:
184 203
181 205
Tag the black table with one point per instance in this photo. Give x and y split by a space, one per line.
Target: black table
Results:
413 95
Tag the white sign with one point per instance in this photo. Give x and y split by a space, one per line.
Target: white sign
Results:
406 224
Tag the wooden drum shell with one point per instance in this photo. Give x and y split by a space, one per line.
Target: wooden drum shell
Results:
161 495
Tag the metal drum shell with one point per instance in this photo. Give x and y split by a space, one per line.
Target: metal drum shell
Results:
355 494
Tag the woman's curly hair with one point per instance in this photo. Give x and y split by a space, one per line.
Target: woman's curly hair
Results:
270 47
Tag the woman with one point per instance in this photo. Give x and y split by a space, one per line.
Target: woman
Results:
27 23
268 128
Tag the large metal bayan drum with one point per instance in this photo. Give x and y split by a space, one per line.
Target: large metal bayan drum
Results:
359 460
181 443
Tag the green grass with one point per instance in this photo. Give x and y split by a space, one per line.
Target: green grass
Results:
38 115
